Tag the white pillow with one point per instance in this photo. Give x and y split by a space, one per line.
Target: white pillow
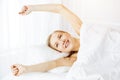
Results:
42 53
28 56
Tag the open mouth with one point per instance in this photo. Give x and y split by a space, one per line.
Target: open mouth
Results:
66 43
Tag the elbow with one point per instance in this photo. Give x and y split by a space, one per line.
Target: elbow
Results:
60 7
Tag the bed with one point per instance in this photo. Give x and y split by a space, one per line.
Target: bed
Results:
92 13
101 60
28 56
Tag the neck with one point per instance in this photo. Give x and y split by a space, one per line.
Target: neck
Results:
77 44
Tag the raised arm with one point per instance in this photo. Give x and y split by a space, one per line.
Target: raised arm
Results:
56 8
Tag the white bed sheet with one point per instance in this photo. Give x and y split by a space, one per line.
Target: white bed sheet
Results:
37 76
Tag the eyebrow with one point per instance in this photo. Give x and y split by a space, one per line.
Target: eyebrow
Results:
60 34
56 42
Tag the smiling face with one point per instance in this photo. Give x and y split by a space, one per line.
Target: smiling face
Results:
61 41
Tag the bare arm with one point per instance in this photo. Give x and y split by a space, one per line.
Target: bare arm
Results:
56 8
43 67
19 69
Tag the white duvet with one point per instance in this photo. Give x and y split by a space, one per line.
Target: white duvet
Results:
99 54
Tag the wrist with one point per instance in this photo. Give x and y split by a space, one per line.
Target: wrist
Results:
35 7
26 69
30 7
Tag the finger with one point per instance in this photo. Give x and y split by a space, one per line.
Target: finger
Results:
13 66
25 7
16 72
21 12
14 69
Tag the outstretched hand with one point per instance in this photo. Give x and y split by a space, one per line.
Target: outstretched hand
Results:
25 10
18 69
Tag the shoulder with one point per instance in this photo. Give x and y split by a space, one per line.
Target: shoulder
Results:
74 55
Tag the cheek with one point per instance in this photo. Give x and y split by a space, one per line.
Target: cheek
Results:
71 45
64 49
69 48
68 36
60 48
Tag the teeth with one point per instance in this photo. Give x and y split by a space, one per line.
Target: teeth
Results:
66 43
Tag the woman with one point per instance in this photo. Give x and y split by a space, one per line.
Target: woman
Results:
58 40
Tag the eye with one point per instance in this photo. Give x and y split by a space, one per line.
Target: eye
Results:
59 36
56 45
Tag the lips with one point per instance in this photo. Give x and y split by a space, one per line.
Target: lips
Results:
66 43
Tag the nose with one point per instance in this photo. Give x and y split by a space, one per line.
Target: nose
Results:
62 41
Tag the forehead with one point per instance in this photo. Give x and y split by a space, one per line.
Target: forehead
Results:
56 34
54 37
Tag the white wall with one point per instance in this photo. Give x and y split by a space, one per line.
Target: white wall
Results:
33 29
96 11
17 31
74 6
103 11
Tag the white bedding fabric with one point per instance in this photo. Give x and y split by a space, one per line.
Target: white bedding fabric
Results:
99 54
28 56
36 76
98 57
